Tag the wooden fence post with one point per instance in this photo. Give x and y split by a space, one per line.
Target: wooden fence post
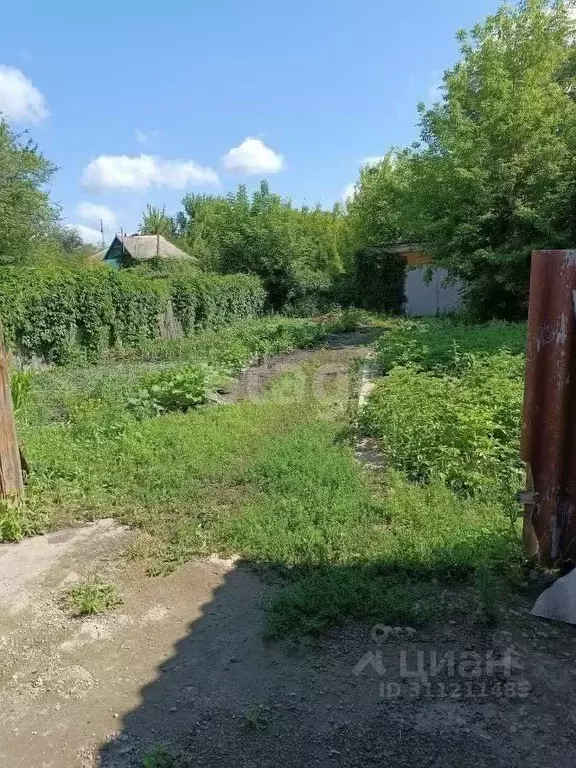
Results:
11 482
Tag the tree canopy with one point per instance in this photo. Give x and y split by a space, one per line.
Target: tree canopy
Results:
493 176
296 251
26 214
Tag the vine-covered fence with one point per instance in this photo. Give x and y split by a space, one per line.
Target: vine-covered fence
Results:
61 314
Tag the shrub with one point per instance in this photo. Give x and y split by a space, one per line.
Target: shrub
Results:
463 429
63 314
177 389
440 344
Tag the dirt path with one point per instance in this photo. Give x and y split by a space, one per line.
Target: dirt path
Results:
183 662
332 362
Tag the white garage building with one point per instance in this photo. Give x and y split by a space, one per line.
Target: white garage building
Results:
426 297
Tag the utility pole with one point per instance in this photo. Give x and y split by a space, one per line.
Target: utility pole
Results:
11 482
102 233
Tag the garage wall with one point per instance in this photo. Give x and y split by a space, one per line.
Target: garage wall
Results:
429 299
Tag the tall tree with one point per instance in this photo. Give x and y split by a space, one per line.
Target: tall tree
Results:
495 176
26 214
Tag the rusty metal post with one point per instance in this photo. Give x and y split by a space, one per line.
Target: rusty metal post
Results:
11 483
549 428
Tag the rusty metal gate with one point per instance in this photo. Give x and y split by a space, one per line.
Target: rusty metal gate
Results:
549 428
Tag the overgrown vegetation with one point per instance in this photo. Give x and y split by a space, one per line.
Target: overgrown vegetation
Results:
297 252
274 481
450 404
464 428
65 314
19 519
445 345
177 389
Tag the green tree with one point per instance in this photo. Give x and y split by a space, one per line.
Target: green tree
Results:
378 212
297 252
26 214
495 176
155 221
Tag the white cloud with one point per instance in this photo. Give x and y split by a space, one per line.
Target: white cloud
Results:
138 173
349 193
253 156
94 214
372 160
88 234
19 99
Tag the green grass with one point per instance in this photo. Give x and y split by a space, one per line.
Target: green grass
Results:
20 519
92 597
352 551
274 481
59 394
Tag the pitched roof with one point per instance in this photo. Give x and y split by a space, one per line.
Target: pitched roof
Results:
144 247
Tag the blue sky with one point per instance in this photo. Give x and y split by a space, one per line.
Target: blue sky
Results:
314 86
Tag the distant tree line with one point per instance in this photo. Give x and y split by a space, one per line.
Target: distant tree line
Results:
299 253
492 177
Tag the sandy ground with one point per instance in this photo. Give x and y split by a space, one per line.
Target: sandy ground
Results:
184 663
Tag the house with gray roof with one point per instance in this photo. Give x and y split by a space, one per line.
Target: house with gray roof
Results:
137 249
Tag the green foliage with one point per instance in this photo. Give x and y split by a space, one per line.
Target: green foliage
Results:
272 481
18 519
379 279
20 387
92 597
440 345
296 252
177 389
376 213
25 211
159 757
493 175
65 314
157 222
463 429
496 179
450 405
347 321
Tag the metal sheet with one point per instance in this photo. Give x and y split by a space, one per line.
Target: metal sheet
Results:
549 428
